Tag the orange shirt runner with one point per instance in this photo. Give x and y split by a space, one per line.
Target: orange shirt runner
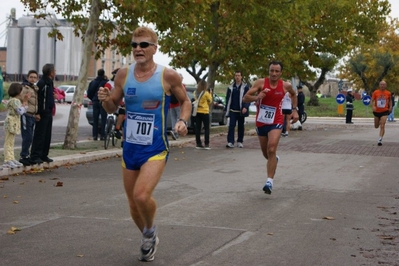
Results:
381 99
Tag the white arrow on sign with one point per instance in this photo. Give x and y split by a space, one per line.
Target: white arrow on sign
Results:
341 99
367 100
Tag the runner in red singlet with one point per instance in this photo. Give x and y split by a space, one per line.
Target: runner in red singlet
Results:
268 94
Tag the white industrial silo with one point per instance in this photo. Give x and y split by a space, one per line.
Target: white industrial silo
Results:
30 52
26 21
14 54
76 56
46 47
63 49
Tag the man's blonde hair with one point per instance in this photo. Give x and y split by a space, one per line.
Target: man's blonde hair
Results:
146 32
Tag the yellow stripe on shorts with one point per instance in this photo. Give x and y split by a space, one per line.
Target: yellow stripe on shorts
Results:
159 157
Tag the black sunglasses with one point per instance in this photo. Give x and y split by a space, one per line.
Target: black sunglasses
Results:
142 44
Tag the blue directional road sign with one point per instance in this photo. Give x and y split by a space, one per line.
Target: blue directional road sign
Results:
366 100
340 98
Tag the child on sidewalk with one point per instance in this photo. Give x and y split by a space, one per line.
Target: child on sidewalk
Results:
12 124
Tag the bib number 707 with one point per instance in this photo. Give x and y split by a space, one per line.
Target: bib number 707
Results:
143 128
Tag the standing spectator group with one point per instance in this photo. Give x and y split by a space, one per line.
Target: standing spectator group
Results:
30 113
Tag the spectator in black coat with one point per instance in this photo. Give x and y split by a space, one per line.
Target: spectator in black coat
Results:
98 110
301 102
44 121
349 106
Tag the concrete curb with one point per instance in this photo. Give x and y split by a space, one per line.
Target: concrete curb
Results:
76 159
64 160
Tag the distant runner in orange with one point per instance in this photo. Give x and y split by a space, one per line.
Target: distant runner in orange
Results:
382 107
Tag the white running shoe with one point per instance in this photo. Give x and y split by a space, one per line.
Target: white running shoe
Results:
240 145
268 187
148 248
229 145
9 164
18 164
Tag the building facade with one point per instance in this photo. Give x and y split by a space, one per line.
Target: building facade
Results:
30 47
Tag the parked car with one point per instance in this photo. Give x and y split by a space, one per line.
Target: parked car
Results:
86 100
218 113
89 114
69 92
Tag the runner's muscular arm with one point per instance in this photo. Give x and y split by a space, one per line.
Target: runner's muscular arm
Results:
288 88
111 99
256 88
176 87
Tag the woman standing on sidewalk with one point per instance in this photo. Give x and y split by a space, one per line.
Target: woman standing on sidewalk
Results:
204 100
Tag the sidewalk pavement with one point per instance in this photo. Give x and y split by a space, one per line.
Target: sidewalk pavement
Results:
312 123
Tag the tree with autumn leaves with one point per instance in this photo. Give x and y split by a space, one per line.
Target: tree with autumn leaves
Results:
368 64
212 38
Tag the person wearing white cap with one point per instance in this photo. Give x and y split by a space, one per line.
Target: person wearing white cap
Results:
349 106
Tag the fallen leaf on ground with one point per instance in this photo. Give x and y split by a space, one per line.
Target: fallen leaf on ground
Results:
270 234
328 218
80 256
13 230
387 237
5 178
59 184
5 196
15 202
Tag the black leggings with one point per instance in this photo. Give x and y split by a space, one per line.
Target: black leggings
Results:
199 120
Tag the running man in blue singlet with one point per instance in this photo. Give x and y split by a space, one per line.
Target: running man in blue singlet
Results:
147 88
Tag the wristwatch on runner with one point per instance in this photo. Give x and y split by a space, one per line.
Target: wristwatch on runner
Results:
184 121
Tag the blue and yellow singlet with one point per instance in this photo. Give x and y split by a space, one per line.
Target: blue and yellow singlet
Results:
145 127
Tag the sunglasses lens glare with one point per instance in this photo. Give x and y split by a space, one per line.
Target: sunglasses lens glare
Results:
141 44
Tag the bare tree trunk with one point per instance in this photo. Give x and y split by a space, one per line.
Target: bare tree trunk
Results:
76 106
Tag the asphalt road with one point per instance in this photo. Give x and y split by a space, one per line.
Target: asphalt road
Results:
335 202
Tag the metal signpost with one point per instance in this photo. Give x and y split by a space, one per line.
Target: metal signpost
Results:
366 101
340 100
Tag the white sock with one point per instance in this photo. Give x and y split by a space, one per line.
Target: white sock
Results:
270 180
380 139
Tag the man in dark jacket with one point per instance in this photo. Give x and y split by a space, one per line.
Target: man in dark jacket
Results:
44 121
236 110
98 110
349 106
301 102
28 119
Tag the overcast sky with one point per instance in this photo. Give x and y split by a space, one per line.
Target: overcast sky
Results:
6 6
